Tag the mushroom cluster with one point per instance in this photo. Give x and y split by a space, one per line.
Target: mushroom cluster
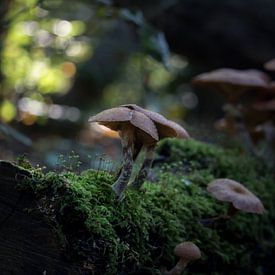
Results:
250 95
139 130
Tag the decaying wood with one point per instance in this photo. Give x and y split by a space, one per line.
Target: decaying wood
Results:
28 245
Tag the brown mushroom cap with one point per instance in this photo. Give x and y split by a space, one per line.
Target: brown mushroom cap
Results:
233 83
165 127
187 251
181 132
231 191
117 118
245 78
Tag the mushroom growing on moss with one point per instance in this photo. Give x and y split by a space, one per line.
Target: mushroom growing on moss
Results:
166 128
239 197
131 126
139 129
187 252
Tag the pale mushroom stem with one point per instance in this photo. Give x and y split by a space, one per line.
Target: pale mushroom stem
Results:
245 137
241 128
136 151
178 268
125 174
145 168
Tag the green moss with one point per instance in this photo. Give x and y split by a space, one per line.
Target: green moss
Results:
138 235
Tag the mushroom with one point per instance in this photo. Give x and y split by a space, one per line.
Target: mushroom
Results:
239 197
133 127
233 83
187 251
165 128
139 129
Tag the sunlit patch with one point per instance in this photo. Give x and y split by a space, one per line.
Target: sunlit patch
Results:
68 69
27 118
32 107
7 111
30 27
62 28
54 111
43 38
103 130
79 49
38 67
74 49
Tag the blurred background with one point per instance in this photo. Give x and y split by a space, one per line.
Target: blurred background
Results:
62 61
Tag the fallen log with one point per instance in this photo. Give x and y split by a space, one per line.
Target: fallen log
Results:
28 244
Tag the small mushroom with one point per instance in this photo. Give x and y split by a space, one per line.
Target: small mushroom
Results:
165 128
187 252
239 197
133 127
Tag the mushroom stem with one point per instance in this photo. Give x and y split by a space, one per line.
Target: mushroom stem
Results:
145 168
235 111
231 211
125 174
178 268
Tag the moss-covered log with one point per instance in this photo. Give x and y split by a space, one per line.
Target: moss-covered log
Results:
28 243
137 235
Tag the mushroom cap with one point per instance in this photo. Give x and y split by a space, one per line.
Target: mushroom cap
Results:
187 251
165 127
181 132
236 78
118 118
232 191
270 65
